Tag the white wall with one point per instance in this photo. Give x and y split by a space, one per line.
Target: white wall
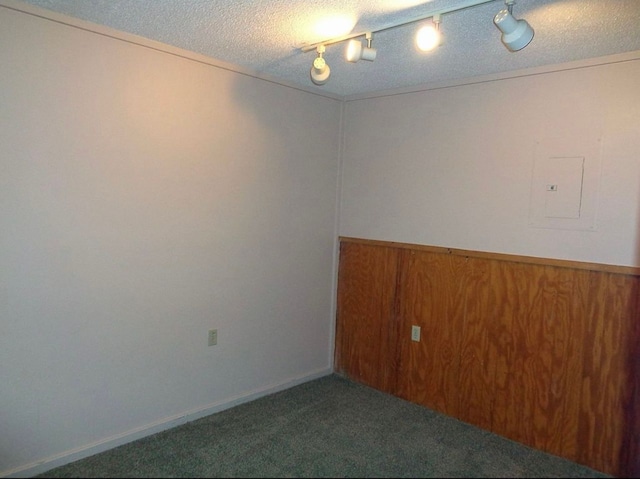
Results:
146 197
453 166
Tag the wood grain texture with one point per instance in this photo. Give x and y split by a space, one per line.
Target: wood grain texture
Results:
630 454
608 377
431 298
478 365
366 332
545 354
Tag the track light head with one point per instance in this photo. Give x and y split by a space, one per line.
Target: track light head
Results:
429 37
516 34
355 50
320 71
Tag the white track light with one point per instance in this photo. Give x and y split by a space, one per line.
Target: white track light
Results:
428 37
320 71
516 34
356 52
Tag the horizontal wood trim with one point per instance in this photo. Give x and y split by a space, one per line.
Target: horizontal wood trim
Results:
561 263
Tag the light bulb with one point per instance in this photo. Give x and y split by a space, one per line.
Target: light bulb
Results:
427 38
319 64
320 71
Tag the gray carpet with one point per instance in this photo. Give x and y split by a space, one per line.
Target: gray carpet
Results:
329 427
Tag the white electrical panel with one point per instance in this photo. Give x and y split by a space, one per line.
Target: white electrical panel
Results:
564 188
562 178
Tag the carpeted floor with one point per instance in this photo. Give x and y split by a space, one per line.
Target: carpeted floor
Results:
329 427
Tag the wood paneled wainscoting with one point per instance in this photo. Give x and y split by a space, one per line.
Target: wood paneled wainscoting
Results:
544 352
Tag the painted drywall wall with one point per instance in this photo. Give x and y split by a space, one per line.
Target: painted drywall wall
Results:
146 197
454 166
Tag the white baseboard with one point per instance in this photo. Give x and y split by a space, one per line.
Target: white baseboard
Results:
43 465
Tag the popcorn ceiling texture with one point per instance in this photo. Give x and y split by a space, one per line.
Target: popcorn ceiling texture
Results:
264 36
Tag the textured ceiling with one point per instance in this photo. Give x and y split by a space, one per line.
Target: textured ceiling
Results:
265 36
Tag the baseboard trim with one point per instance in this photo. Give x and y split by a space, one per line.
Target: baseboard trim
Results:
43 465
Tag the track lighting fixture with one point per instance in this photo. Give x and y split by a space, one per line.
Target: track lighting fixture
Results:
516 34
356 52
320 71
429 37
